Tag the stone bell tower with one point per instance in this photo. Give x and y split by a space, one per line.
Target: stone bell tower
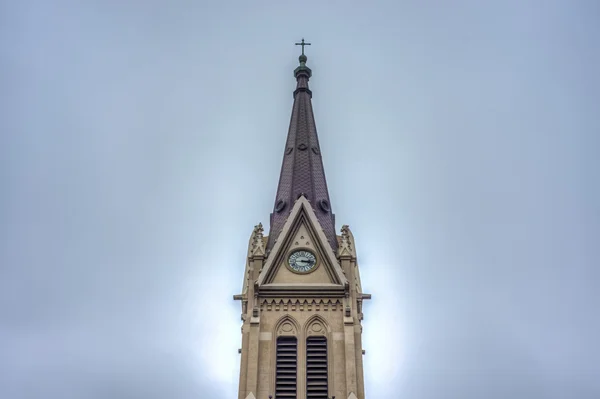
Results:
301 293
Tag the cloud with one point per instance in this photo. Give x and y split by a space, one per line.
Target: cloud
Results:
141 144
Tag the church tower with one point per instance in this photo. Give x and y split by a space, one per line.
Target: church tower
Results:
301 295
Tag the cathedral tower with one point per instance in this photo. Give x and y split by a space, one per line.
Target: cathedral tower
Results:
301 295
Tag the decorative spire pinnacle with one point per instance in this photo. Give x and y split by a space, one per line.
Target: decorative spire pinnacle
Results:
258 247
345 248
302 69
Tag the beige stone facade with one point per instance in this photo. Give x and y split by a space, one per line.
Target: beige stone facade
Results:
280 301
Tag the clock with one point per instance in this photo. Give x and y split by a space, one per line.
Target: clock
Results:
302 261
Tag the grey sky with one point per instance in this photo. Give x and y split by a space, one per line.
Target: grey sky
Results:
140 142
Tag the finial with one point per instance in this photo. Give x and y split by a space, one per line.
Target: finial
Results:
302 57
258 247
345 248
302 68
303 44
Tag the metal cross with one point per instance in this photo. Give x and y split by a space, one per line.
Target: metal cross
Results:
302 44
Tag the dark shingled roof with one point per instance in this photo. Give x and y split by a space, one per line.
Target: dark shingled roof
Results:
302 170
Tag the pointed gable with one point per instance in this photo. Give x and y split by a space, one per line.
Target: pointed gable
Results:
303 239
302 230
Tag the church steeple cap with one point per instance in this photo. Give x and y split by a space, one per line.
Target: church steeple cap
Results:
302 69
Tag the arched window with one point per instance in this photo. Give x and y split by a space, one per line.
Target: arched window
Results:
286 369
316 367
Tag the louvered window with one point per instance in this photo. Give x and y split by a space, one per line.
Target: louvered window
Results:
316 368
285 380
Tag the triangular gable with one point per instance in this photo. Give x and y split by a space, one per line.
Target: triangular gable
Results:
302 220
302 238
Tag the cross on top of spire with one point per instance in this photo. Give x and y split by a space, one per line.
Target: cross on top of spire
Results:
302 44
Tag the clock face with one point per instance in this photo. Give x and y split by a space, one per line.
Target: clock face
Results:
302 261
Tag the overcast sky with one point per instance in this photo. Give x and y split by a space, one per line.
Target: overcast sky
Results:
140 142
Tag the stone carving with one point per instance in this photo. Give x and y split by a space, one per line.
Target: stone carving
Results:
287 326
272 304
316 329
258 245
345 248
316 326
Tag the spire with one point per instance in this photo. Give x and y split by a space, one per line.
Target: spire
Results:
302 170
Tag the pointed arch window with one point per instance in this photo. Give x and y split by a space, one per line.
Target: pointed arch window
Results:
286 368
316 368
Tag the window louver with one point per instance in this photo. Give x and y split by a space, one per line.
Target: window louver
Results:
316 368
285 379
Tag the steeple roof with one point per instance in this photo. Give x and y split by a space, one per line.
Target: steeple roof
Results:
302 170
